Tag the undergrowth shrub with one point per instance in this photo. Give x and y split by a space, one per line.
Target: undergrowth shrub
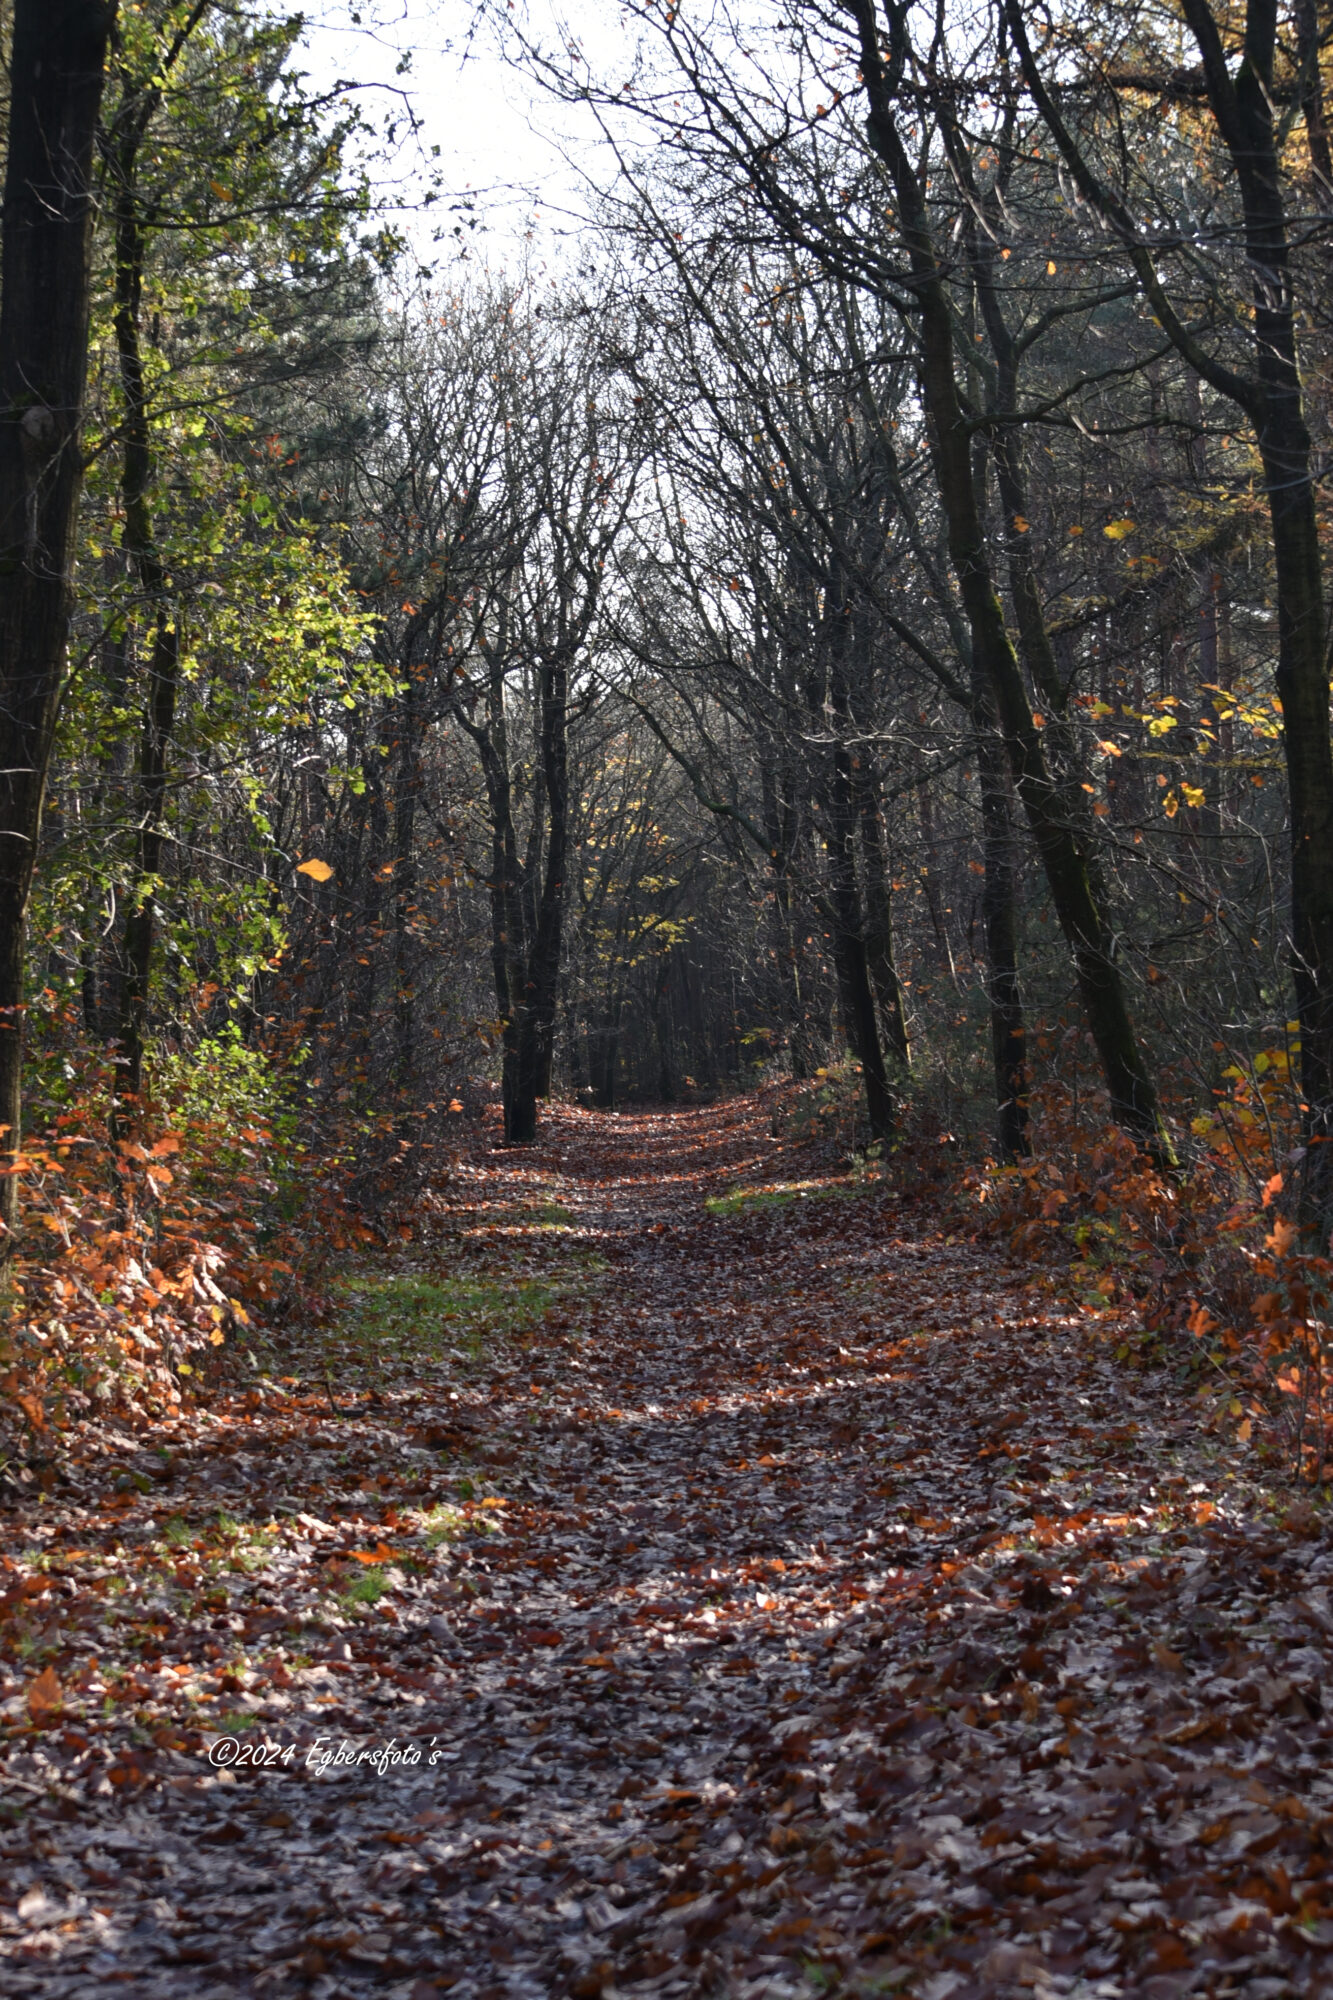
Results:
1208 1261
141 1260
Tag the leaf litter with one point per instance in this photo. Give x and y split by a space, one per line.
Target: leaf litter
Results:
780 1597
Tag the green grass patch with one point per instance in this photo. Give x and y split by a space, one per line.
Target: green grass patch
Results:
368 1588
407 1316
548 1215
442 1524
743 1201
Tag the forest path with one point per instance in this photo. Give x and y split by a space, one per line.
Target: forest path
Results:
784 1599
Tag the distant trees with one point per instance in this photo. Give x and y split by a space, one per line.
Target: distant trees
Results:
851 624
1065 346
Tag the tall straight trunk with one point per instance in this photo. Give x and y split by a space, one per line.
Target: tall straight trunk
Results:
850 957
542 973
407 792
783 826
141 920
603 1050
507 954
121 149
1068 872
879 921
373 830
57 63
999 910
850 954
509 910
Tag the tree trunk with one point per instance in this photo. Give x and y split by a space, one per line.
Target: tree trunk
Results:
56 71
140 923
1089 936
850 957
999 909
544 963
879 923
407 792
1242 105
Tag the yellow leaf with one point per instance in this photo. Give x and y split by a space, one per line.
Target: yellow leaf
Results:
1115 531
1050 267
318 871
1192 794
1170 805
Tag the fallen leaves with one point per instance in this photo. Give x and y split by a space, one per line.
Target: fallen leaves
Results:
45 1697
839 1613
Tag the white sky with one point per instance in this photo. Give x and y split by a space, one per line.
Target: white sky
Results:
499 137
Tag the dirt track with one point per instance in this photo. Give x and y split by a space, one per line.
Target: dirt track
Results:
842 1618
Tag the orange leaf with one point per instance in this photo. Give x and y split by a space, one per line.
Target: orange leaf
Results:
382 1554
45 1696
318 871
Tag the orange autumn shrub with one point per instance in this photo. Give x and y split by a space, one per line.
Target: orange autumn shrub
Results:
1207 1259
141 1261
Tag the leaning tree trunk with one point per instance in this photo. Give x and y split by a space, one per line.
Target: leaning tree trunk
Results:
1272 397
56 70
1069 874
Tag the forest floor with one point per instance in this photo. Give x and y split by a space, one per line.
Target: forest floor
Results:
624 1595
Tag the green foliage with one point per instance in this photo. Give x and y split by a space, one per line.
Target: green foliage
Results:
745 1200
409 1314
368 1588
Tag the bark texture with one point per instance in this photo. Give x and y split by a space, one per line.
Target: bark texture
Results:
56 70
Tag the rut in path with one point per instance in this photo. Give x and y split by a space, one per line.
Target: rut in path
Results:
823 1610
